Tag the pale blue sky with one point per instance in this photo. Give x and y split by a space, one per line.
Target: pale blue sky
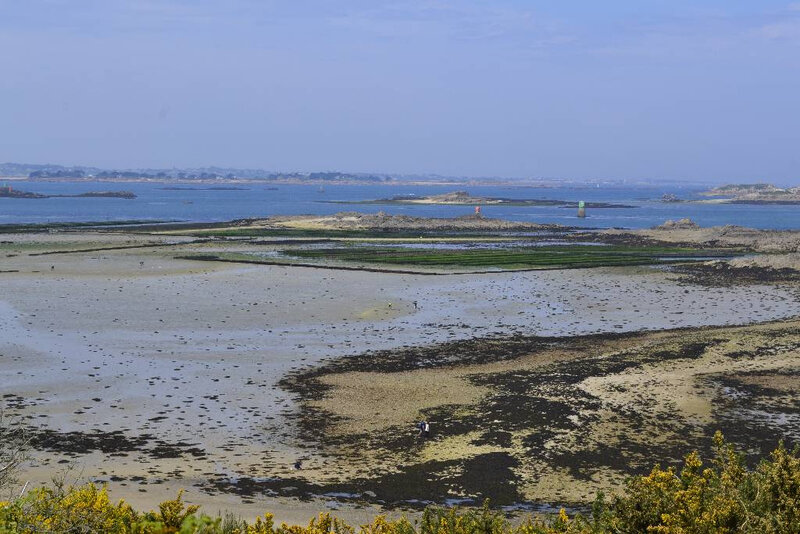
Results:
672 89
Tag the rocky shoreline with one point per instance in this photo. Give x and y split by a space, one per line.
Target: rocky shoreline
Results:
9 192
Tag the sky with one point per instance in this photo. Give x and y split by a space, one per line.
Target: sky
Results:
702 90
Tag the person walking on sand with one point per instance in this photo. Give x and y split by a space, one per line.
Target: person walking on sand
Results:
424 429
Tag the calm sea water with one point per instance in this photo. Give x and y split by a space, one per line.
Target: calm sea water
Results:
156 203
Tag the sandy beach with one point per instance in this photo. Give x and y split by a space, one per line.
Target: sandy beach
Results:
152 374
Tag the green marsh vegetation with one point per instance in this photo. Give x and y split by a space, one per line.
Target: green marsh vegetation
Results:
517 257
464 255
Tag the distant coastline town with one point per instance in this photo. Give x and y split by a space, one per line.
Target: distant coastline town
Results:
221 175
35 172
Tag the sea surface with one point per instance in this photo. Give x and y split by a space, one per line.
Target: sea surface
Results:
201 203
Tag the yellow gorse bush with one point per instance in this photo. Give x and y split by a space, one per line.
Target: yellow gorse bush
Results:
718 498
84 509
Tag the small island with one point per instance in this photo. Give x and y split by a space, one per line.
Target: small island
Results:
7 191
760 193
463 198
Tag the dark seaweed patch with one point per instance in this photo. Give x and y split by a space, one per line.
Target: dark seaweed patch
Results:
473 480
112 443
724 274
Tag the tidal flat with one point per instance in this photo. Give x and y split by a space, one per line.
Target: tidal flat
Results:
151 372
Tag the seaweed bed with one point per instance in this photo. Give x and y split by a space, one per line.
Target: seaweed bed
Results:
399 259
539 418
724 274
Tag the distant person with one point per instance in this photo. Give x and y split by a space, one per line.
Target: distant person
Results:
424 429
415 305
298 464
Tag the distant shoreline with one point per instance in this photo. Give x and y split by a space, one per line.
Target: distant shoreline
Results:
279 181
530 184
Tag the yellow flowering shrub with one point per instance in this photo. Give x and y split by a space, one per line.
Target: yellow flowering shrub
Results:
720 497
84 509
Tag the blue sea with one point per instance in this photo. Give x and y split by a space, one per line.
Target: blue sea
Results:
200 204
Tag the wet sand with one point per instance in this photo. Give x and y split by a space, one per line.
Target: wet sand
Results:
154 374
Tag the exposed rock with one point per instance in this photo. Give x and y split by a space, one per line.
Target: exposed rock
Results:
681 224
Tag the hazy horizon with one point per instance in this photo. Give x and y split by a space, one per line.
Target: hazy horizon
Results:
681 91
